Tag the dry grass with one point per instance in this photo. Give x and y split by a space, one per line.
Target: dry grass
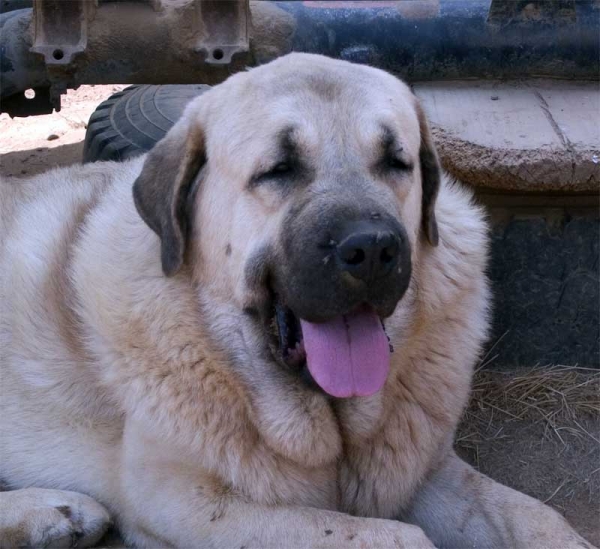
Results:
538 431
558 396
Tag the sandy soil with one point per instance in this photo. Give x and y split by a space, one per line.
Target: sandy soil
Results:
34 144
556 460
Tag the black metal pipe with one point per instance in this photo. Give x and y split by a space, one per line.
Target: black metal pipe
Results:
451 39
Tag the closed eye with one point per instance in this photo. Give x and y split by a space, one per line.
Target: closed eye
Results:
278 172
282 168
395 162
394 159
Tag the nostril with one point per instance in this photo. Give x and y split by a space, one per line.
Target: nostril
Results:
355 257
387 255
370 253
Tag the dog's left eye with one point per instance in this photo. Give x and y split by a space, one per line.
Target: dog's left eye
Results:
282 168
394 162
278 171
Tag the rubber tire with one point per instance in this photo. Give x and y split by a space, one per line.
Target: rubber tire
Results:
132 121
14 5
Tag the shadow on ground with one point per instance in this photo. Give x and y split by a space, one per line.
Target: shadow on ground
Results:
33 161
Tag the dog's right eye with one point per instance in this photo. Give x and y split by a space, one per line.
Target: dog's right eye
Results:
278 171
283 168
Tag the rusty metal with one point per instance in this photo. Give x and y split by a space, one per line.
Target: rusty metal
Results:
549 12
222 28
207 39
60 35
60 29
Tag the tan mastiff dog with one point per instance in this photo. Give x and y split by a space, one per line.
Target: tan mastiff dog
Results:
260 335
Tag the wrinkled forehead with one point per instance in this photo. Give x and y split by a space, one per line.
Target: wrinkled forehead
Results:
348 105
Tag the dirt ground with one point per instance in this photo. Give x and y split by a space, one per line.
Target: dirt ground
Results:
35 144
536 430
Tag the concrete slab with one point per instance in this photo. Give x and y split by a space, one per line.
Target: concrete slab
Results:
575 107
532 136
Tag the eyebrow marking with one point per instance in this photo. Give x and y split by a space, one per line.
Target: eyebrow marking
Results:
389 139
287 151
287 142
391 147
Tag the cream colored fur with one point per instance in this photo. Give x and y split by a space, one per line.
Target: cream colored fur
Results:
148 393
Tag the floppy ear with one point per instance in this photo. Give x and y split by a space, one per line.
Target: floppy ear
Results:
161 191
430 175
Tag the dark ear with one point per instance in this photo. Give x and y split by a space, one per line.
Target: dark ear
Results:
430 175
161 191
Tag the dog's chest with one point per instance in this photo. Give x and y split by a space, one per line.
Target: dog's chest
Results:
324 452
367 476
357 475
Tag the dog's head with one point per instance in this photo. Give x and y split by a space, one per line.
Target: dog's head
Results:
300 192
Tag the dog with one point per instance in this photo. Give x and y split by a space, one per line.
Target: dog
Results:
260 334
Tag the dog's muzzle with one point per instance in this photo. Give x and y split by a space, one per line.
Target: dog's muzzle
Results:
339 277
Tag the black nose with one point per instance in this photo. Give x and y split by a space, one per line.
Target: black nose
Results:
369 252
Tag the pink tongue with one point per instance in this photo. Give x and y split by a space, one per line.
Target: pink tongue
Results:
348 355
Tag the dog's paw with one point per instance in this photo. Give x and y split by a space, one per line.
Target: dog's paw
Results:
36 517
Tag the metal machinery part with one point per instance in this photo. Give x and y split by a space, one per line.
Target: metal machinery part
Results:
60 34
60 45
94 41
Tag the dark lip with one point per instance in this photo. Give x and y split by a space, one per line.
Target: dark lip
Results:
284 333
291 340
310 311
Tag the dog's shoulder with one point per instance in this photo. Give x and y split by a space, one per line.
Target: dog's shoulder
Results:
58 195
43 220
